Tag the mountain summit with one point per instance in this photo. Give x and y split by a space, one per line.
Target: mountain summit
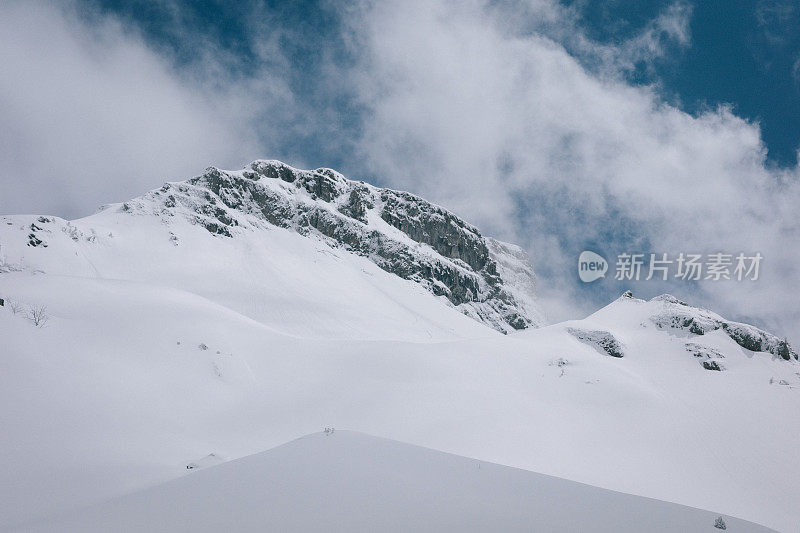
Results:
485 279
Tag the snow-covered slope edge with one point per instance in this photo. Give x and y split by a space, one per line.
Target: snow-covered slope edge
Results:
347 481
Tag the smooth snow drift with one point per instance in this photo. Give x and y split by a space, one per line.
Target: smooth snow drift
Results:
346 481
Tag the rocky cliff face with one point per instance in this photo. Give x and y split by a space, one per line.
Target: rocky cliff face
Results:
485 279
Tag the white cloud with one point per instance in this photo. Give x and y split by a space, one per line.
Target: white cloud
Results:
91 115
498 124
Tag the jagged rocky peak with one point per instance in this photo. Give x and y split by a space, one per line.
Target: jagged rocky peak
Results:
402 233
672 313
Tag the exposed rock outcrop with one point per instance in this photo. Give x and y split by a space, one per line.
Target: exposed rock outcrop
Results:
710 358
602 341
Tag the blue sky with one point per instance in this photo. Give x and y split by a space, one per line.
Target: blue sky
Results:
742 53
652 127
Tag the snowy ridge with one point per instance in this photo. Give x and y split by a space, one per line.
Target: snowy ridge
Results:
679 315
679 318
398 231
347 481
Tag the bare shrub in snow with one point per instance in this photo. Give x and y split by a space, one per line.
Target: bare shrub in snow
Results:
38 315
14 306
719 523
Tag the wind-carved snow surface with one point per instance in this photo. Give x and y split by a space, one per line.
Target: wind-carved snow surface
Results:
171 344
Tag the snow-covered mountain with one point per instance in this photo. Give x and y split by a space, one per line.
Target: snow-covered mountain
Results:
219 317
398 231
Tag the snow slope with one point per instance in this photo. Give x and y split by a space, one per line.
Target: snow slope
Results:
300 286
166 344
346 481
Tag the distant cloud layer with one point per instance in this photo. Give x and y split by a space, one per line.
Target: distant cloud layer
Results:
91 115
506 113
526 141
